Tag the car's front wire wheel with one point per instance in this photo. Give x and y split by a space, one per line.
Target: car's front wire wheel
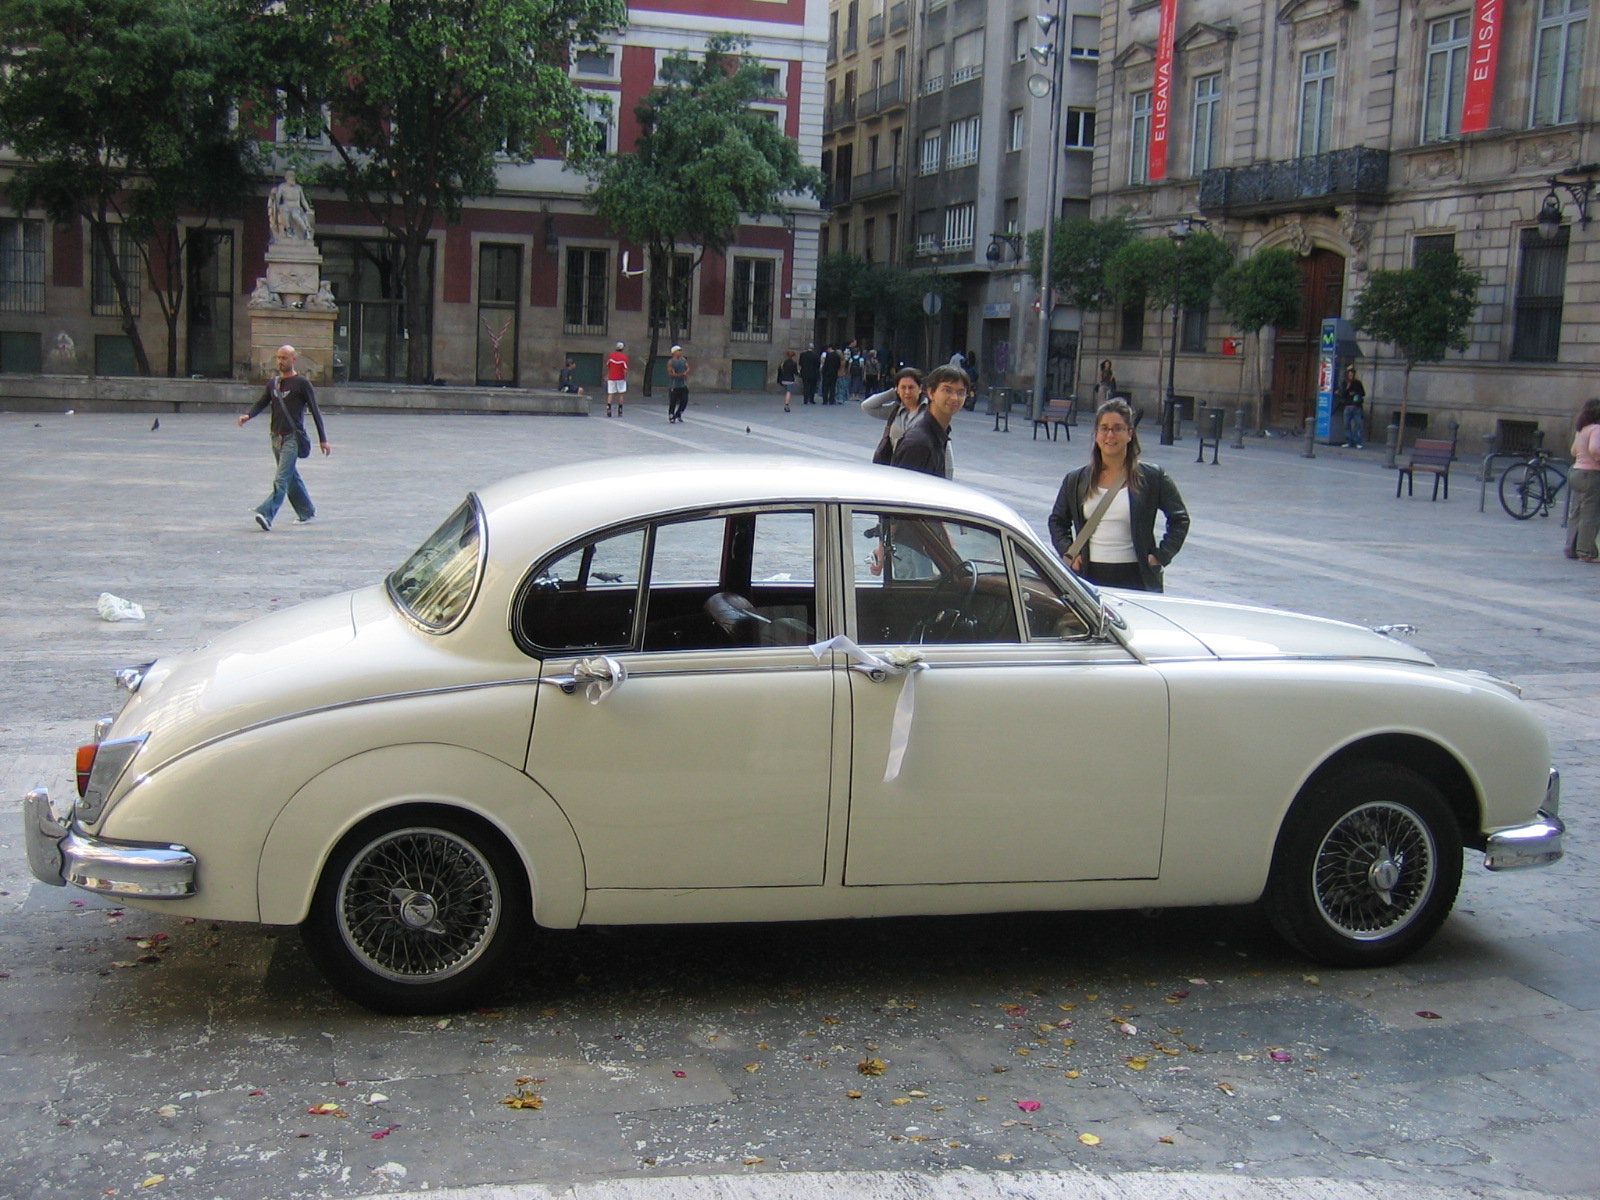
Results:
417 913
1367 866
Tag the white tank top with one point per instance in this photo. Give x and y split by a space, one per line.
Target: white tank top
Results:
1112 540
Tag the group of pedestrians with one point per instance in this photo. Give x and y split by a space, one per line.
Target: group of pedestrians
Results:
836 374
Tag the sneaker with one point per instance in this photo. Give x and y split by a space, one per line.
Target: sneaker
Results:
265 524
305 520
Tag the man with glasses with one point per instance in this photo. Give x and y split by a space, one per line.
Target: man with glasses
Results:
925 445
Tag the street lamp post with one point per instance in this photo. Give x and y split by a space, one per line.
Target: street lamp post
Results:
1180 235
1050 54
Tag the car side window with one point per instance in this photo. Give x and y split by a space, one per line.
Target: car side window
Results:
1047 611
928 579
741 580
587 598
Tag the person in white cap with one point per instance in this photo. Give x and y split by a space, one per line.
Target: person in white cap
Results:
616 379
677 385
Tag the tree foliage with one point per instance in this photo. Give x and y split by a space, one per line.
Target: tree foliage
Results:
1262 290
1423 311
1155 271
1081 251
891 293
121 114
705 161
421 100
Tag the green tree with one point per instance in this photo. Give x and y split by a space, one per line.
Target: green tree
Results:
893 294
1423 311
1262 290
121 114
1157 271
705 160
1081 251
421 100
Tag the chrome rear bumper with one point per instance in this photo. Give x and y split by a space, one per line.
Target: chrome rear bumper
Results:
60 854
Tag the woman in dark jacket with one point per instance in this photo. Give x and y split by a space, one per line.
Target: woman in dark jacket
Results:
1122 550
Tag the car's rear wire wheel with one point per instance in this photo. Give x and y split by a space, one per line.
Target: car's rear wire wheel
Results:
1367 866
417 915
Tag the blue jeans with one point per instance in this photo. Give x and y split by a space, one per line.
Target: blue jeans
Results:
1355 426
286 481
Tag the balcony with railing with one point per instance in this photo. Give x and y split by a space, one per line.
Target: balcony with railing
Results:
839 114
875 183
899 16
852 40
1359 175
875 29
963 74
882 99
932 84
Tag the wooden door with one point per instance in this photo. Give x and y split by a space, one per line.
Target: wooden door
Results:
1294 365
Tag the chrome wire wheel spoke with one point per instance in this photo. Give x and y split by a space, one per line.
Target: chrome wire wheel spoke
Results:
418 905
1374 870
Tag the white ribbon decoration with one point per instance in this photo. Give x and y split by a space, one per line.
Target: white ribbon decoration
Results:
600 676
902 661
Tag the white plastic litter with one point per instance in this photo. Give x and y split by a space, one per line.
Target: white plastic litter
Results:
115 608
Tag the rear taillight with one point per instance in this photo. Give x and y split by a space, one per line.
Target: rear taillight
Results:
85 765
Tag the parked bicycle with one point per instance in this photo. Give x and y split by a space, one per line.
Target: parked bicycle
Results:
1530 487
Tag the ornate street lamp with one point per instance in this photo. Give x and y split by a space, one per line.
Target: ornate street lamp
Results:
1580 189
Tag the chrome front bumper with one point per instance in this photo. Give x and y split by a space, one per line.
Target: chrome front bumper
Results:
1535 844
60 854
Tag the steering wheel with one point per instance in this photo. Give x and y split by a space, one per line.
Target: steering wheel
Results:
938 617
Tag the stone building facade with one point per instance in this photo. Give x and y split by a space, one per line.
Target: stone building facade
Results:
967 150
1357 133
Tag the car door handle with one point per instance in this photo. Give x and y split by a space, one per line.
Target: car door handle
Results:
598 676
876 674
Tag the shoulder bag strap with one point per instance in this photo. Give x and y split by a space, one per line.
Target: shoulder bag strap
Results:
1084 534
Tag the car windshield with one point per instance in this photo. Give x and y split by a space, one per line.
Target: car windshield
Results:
436 584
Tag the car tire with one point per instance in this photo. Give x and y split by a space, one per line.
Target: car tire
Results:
1367 866
417 912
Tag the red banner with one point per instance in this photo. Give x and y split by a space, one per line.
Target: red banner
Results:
1482 57
1161 99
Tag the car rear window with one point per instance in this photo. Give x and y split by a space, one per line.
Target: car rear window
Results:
435 586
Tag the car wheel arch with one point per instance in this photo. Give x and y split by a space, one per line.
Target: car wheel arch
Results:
435 778
1422 756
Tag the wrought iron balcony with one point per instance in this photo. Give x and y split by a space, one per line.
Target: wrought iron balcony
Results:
839 114
882 99
899 17
1359 175
875 183
875 29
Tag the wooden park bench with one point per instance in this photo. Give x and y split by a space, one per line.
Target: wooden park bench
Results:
1427 454
1057 414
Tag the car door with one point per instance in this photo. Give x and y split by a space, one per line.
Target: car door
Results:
1036 751
687 729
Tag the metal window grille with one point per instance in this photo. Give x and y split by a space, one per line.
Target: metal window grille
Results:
104 290
21 265
586 291
752 299
1541 282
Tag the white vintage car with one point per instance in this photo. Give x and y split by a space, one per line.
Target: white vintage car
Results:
752 689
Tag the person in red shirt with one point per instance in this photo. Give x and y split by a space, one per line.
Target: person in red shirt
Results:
616 379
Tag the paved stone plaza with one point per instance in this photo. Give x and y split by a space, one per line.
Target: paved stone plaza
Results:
704 1056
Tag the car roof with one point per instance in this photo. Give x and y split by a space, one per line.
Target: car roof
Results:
536 512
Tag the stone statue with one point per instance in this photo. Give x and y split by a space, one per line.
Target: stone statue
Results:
263 296
323 300
289 212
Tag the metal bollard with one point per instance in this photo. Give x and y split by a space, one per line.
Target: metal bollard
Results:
1489 439
1238 429
1311 439
1391 445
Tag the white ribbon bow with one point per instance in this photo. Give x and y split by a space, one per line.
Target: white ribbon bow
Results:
600 676
902 661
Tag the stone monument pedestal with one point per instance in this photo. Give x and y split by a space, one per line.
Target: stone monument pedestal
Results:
309 331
